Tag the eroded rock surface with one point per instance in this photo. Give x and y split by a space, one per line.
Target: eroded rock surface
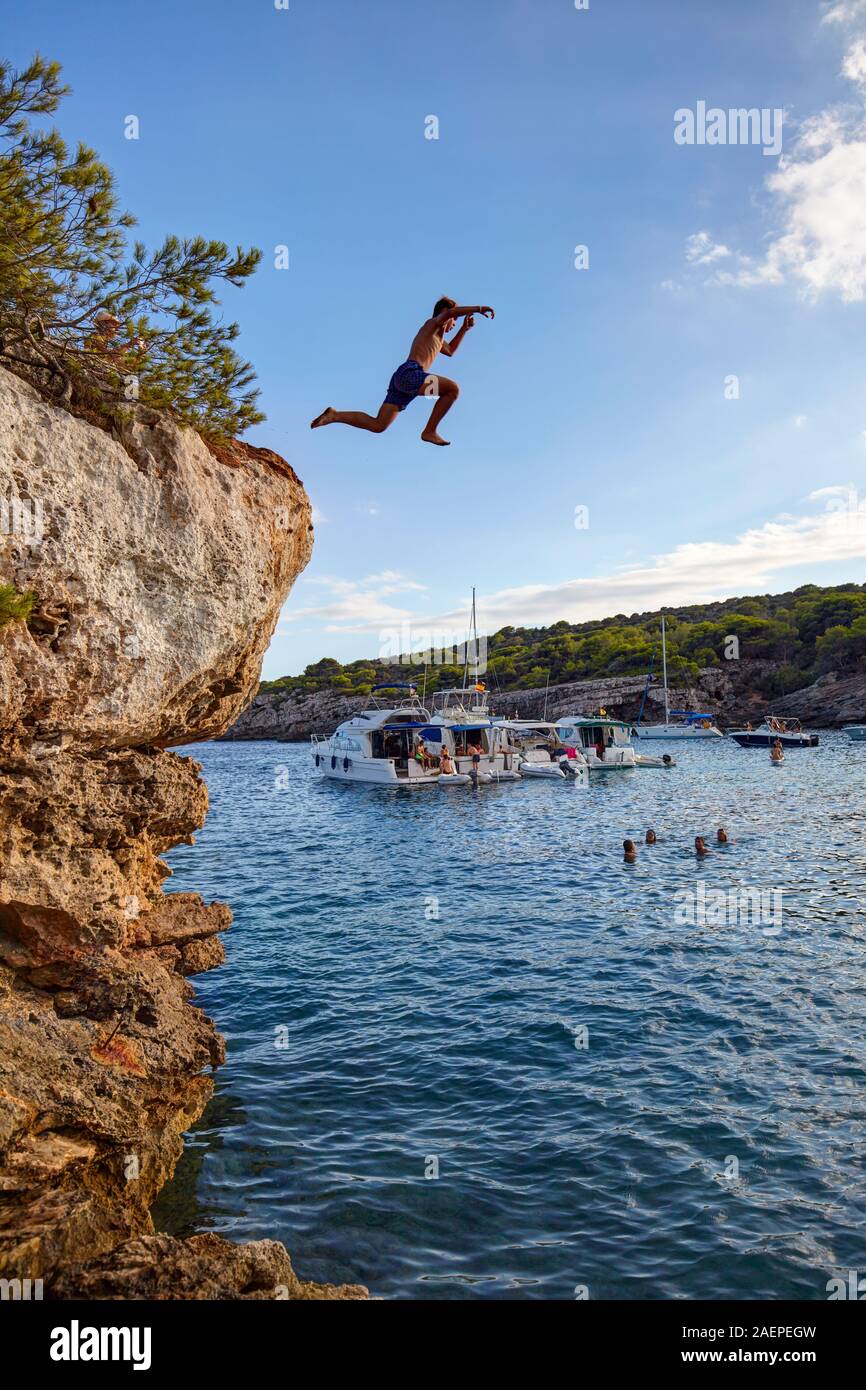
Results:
732 692
159 570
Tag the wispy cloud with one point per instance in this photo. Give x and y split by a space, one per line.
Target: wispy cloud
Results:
702 250
696 572
844 11
354 605
818 193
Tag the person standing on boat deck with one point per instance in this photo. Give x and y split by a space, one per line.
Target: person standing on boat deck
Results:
414 378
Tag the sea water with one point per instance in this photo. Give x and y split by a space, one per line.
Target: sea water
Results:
473 1054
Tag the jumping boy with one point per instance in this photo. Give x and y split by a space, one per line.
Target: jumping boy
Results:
414 377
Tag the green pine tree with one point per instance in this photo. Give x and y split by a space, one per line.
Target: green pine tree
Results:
85 318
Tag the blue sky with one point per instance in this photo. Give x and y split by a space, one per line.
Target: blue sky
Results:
603 388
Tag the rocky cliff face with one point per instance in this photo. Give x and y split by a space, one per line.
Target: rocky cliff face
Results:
159 570
731 692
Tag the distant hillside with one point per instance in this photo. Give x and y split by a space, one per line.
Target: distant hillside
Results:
804 633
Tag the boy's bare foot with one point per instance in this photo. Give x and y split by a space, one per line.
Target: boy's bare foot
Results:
431 437
326 418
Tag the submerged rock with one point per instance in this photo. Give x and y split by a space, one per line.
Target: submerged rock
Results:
159 568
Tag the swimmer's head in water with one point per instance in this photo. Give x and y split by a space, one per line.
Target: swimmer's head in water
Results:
629 849
650 837
700 847
722 835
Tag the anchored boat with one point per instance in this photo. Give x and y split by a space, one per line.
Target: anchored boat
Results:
604 743
542 752
689 723
789 732
404 744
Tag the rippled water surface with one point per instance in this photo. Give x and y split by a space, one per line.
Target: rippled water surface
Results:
412 1041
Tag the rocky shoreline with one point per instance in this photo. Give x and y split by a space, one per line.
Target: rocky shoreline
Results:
159 570
731 692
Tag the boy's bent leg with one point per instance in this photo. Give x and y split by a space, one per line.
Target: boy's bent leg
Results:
359 419
448 393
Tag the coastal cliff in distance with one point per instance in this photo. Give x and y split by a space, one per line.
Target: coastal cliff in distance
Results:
158 568
731 693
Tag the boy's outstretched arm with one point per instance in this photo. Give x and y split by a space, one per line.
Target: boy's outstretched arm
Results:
462 310
449 349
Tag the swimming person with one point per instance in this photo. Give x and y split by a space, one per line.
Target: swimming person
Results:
651 837
629 851
722 835
414 378
777 753
701 848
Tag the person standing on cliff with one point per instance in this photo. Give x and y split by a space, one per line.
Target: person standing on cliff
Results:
414 377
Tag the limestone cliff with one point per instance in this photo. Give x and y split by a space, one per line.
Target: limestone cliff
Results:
730 691
158 569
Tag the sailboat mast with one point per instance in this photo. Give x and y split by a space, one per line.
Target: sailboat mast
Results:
665 670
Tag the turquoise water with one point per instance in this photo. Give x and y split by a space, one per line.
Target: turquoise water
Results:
603 1158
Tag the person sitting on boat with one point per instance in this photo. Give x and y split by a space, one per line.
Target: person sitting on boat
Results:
445 763
421 754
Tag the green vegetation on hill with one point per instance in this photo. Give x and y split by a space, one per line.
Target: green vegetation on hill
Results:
805 632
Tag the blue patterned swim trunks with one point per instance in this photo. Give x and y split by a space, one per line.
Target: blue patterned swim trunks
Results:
406 383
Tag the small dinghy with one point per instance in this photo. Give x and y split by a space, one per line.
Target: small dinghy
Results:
537 763
454 779
645 760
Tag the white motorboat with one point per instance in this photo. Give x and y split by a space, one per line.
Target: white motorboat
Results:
604 743
402 744
856 732
379 744
789 732
678 723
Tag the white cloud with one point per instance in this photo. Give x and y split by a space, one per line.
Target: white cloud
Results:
838 490
693 573
696 572
702 250
854 62
800 421
844 11
354 605
819 195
